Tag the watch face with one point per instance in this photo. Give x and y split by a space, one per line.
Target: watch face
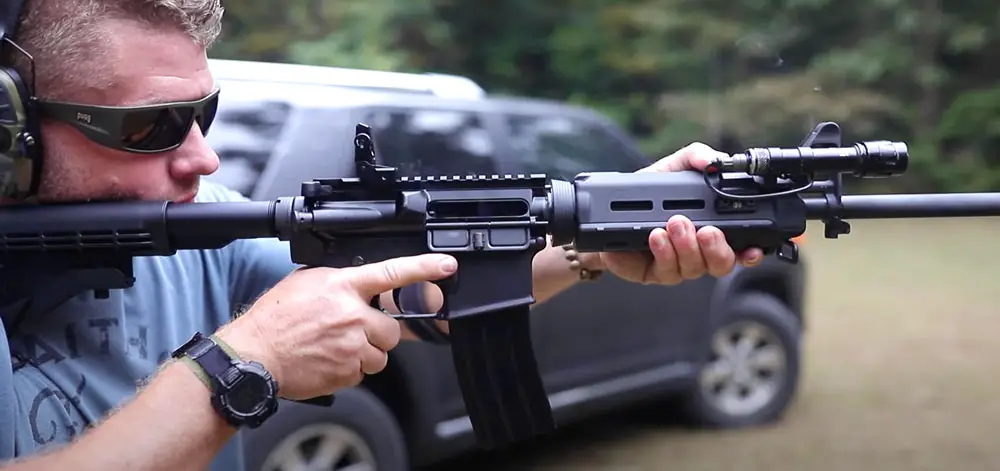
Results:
248 393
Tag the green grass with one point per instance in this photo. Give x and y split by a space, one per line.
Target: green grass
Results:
902 368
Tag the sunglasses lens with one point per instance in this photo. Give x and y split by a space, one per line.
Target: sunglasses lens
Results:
153 130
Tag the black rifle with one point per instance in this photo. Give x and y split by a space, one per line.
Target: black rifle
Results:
493 225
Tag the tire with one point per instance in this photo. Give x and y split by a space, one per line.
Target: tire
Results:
779 353
357 418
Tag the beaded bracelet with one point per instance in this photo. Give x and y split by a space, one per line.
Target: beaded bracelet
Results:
572 255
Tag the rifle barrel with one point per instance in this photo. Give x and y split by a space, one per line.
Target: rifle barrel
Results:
907 206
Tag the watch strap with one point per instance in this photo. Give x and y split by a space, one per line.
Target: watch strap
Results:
225 347
204 359
197 370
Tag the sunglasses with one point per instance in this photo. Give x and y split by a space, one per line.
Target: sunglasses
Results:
143 129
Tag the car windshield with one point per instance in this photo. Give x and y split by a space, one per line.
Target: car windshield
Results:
563 146
433 141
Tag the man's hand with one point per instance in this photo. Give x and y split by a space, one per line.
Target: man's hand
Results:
315 330
678 252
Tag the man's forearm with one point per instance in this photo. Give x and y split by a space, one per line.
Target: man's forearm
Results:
551 273
169 425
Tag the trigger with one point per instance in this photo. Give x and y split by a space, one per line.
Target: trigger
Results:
395 299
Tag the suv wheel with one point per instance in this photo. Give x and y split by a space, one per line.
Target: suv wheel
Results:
357 433
752 370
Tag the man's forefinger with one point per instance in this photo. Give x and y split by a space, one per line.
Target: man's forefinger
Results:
377 278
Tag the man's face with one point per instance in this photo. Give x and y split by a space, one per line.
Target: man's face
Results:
148 66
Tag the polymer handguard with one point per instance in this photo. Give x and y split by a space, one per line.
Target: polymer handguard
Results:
493 224
755 198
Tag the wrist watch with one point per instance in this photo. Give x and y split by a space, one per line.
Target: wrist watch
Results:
243 392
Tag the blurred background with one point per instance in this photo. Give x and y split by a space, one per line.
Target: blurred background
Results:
899 360
733 73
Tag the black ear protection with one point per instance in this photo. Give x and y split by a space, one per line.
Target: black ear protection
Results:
20 143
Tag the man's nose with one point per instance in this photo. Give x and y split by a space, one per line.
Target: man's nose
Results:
194 158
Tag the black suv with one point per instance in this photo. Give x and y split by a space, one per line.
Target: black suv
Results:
725 351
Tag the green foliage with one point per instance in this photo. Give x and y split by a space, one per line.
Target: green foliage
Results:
731 73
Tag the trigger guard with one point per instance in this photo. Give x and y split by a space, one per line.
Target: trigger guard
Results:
425 327
410 296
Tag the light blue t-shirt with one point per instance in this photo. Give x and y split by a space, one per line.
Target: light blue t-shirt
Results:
71 367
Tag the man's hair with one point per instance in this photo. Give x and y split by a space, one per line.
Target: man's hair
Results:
66 36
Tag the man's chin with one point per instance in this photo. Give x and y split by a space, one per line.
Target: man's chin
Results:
117 197
84 199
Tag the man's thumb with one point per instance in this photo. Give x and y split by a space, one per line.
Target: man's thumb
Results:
694 156
376 278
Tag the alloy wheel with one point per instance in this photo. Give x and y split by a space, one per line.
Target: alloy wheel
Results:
321 447
746 369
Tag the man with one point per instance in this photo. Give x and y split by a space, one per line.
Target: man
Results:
74 371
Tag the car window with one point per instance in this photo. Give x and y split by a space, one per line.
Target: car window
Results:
245 134
562 146
432 142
